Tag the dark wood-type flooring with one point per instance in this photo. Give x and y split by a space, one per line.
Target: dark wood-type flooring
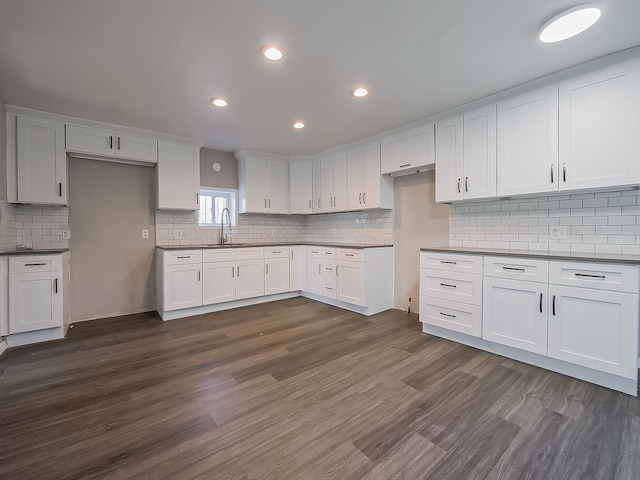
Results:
299 390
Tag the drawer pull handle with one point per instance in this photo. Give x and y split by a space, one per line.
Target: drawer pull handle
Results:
233 272
238 274
405 165
319 272
513 269
267 268
337 274
448 285
553 305
55 286
35 264
585 275
187 256
540 303
552 173
447 315
448 262
328 288
277 251
348 254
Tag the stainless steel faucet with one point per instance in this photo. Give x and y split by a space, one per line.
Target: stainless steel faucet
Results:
222 238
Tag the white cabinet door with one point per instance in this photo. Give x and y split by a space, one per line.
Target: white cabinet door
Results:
594 328
277 187
340 185
252 183
276 275
297 268
301 187
479 151
317 186
527 142
355 186
135 147
411 149
599 125
90 141
350 283
42 162
249 278
326 183
515 313
182 286
449 160
377 191
218 282
35 301
314 275
178 176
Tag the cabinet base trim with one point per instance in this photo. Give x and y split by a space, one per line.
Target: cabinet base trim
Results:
608 380
347 306
218 307
27 338
3 346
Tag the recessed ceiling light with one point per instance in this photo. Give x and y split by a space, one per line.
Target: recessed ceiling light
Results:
298 125
360 92
218 102
569 23
272 52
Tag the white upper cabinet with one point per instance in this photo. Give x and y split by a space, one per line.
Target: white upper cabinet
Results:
527 141
317 186
263 185
92 142
301 187
178 176
367 188
466 156
333 174
599 128
41 162
408 151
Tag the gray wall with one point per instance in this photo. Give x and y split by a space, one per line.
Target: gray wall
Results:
227 177
418 222
112 266
3 149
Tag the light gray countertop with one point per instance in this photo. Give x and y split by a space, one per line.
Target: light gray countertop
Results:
275 244
578 257
52 251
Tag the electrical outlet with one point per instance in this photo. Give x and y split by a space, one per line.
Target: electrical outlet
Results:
177 234
372 232
66 234
145 233
558 232
333 232
273 233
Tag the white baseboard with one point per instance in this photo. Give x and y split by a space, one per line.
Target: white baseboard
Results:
3 346
36 336
116 314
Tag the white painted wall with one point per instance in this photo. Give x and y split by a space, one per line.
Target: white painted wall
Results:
418 222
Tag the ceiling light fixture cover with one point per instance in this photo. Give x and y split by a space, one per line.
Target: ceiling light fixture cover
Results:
360 92
569 23
272 52
298 125
219 102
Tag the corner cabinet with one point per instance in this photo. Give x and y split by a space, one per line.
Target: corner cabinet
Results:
301 187
367 188
41 162
178 176
263 184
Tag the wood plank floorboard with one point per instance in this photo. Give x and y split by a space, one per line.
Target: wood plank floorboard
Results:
297 389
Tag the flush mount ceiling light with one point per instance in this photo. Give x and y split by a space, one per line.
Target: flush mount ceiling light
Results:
298 125
218 102
569 23
360 92
271 52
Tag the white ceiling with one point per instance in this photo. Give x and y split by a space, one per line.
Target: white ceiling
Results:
154 64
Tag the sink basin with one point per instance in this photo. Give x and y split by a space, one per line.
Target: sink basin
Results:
220 245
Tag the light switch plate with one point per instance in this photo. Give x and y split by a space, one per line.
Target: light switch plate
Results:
558 232
177 234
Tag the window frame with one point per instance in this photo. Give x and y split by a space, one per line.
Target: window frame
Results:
230 193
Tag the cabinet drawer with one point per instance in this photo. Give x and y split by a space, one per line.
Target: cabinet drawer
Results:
314 252
329 289
181 257
328 252
219 255
35 263
601 276
253 253
350 254
451 262
276 252
454 286
531 270
456 316
329 270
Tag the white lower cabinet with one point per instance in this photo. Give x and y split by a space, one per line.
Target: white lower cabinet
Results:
515 314
182 286
218 282
35 293
594 328
250 278
350 282
314 275
276 270
297 268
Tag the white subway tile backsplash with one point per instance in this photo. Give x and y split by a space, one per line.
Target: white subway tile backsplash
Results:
603 222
